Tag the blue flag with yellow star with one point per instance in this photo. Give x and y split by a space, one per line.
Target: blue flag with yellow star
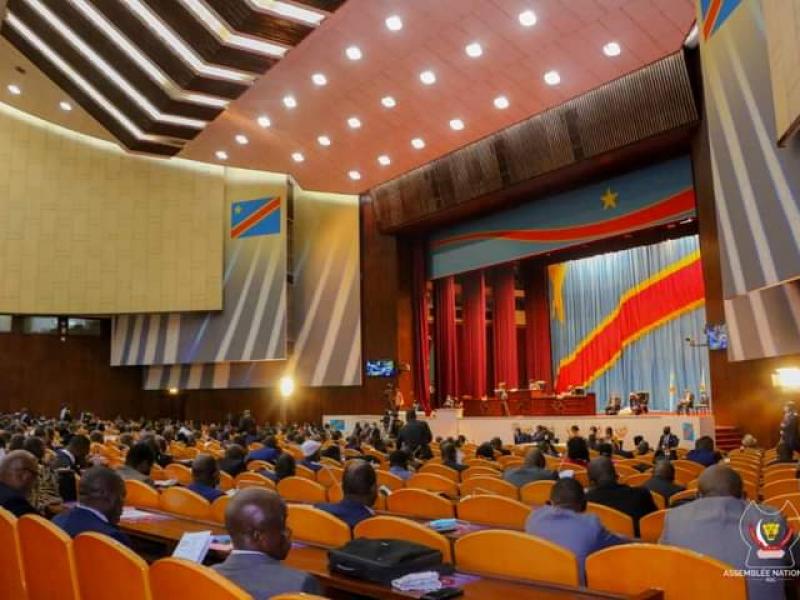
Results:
251 218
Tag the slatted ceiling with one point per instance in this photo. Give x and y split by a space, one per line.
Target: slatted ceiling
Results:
326 5
247 20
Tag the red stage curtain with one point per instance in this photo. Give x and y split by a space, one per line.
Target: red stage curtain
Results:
473 350
505 328
537 318
445 338
422 357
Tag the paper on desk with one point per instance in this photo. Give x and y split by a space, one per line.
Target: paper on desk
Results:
129 513
193 546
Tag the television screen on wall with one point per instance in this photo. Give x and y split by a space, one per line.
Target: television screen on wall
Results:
717 336
380 368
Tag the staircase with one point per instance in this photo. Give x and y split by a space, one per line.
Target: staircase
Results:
727 437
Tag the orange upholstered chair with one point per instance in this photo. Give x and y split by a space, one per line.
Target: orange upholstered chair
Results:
494 510
633 568
441 470
140 495
397 528
298 596
157 473
479 472
186 503
683 496
12 576
508 554
218 508
172 578
536 492
300 489
433 483
393 482
689 465
481 462
651 526
259 465
637 479
780 487
335 493
489 485
779 502
625 470
778 474
47 560
253 479
420 503
510 461
658 500
304 472
329 476
314 526
123 571
613 520
226 482
181 473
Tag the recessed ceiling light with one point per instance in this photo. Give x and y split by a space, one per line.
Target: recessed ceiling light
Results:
324 140
418 143
388 102
14 89
394 23
456 124
384 160
241 139
427 77
474 50
221 155
65 106
289 101
354 122
527 18
319 79
612 49
354 175
353 53
501 102
552 78
298 157
264 121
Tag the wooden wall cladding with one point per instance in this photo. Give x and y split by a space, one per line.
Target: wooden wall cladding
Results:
646 103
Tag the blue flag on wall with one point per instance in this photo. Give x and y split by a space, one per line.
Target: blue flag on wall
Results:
251 218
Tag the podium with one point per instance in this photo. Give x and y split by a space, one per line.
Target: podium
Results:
534 404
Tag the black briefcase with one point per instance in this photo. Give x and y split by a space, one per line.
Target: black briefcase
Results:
384 560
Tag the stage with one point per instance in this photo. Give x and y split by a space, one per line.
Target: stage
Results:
452 422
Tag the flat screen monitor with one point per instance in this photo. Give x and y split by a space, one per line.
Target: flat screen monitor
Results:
717 336
381 368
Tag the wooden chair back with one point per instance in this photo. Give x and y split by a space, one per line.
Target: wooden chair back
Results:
181 473
441 470
226 482
186 503
12 575
300 489
658 500
612 519
253 479
305 472
682 496
218 508
172 578
683 476
433 483
393 482
314 526
121 567
479 472
489 485
778 474
780 487
420 503
47 560
624 471
637 479
259 465
498 511
536 493
140 495
689 465
328 476
157 473
651 526
397 528
781 502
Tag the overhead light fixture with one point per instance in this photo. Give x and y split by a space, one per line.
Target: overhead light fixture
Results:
14 89
552 78
319 79
173 391
527 18
394 23
427 77
418 143
384 160
324 140
65 106
286 386
241 139
353 53
388 102
787 378
221 155
264 121
612 49
290 11
354 122
354 175
501 103
456 124
474 50
298 157
289 101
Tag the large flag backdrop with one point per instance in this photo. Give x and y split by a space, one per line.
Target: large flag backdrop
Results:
619 322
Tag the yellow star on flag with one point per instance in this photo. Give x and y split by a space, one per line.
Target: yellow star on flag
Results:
237 210
609 199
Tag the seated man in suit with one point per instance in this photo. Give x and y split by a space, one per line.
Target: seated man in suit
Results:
205 477
233 462
69 461
533 469
704 453
269 453
633 501
663 480
686 403
565 522
19 471
138 462
256 521
101 495
360 487
450 457
717 525
311 454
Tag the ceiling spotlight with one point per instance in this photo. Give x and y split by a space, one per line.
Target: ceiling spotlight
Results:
319 79
354 122
241 139
394 23
456 124
527 18
418 143
289 101
221 155
264 121
14 89
427 77
324 140
474 50
353 53
354 175
501 102
384 160
298 157
552 78
65 106
388 102
612 49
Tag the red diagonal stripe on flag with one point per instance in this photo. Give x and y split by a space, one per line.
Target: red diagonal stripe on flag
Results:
711 17
254 219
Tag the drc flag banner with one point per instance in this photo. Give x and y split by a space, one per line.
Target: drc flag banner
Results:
251 218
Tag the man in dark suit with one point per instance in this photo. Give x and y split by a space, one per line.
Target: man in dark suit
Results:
415 434
73 456
667 444
256 521
789 426
233 463
663 480
101 495
270 452
205 477
18 473
633 501
360 488
533 469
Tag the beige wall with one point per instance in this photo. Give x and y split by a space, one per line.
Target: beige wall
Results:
783 40
88 228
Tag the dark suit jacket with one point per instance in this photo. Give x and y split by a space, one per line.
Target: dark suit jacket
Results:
79 520
349 511
232 467
663 487
209 493
633 501
415 434
264 577
14 502
268 454
523 475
